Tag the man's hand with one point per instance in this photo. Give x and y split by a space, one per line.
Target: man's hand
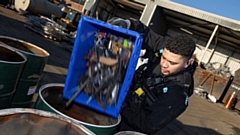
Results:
119 22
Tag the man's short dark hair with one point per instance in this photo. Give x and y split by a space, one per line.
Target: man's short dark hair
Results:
181 44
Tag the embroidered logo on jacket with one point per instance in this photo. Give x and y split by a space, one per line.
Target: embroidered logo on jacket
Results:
165 89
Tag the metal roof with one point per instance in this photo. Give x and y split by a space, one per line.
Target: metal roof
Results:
181 16
217 19
200 14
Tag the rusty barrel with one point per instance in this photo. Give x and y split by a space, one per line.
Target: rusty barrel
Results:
27 121
11 65
50 98
32 71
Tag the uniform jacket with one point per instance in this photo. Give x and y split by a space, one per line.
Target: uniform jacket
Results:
172 95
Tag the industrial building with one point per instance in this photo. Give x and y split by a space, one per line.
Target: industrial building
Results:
217 37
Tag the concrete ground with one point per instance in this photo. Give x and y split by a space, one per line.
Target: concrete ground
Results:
202 117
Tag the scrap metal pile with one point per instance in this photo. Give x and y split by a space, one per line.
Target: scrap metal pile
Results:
48 28
106 62
218 68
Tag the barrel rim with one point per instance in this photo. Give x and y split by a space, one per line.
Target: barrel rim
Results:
88 124
11 49
11 111
129 132
30 44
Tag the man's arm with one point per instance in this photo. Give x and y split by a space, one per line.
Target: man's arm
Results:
151 40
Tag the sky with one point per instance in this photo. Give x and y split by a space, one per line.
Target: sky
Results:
225 8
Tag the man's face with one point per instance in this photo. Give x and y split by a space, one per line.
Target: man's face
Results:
172 63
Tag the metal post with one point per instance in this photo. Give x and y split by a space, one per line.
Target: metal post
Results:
215 45
209 42
148 13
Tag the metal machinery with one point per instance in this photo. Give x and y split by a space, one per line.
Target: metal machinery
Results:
73 12
70 21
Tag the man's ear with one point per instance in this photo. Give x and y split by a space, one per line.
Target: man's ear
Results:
189 62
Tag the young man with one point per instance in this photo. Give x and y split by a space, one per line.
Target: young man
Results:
160 89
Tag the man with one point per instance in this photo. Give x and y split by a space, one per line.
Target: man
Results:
160 89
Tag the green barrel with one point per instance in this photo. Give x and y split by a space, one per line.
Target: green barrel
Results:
28 121
32 71
50 98
11 65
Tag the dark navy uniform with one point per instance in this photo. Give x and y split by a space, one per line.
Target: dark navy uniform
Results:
153 101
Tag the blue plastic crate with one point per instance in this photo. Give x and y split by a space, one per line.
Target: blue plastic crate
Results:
87 29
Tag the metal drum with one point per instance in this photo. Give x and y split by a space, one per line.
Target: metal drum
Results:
42 7
31 73
26 121
50 98
11 65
